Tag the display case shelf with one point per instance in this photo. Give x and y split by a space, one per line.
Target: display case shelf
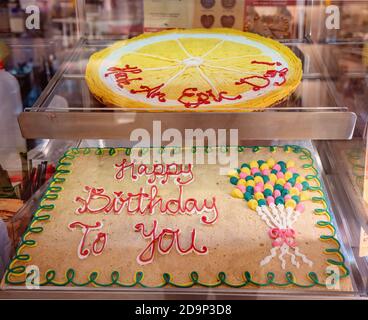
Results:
346 230
347 158
333 68
67 110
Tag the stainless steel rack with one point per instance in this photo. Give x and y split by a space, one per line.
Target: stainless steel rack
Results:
67 110
346 233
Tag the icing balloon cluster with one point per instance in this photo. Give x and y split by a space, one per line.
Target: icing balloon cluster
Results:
268 183
275 190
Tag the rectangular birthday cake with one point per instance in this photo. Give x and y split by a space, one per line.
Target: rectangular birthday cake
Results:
108 220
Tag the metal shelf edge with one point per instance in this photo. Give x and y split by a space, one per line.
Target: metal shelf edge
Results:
252 125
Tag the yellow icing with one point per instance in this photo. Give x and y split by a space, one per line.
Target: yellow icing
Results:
173 52
245 170
288 175
271 162
258 196
233 173
290 164
253 164
294 191
251 183
258 179
242 182
236 193
253 204
290 203
280 181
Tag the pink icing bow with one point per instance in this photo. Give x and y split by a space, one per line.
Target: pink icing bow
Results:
281 236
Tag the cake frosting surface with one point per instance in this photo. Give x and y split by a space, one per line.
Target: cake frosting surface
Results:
194 70
108 221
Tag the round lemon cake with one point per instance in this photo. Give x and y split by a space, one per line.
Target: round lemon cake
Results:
194 70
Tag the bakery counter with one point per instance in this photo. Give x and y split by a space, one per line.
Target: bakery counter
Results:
67 110
353 287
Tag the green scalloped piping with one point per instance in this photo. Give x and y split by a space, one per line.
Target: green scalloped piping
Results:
42 214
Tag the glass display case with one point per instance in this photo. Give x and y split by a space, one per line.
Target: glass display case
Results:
326 115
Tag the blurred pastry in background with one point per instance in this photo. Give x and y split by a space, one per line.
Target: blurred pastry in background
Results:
277 25
208 4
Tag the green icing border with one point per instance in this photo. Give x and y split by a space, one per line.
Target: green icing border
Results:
42 214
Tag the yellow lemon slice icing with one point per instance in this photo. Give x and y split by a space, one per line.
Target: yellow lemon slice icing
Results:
194 70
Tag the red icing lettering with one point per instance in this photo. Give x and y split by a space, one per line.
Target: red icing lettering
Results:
122 75
151 93
145 203
267 63
157 173
158 239
93 194
282 74
98 244
267 76
193 98
255 86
